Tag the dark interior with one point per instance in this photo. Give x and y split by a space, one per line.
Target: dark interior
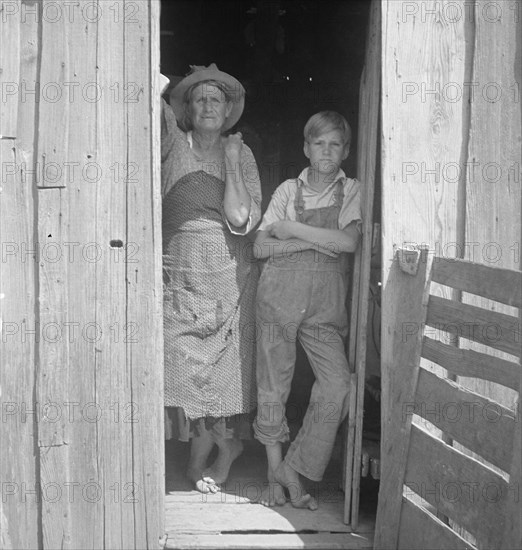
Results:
294 58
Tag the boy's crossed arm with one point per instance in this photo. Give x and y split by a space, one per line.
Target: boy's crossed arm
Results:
299 236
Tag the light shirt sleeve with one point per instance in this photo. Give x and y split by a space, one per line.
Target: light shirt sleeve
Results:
169 129
253 185
351 208
277 207
170 134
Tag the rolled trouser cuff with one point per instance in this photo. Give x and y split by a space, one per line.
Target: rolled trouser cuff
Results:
270 435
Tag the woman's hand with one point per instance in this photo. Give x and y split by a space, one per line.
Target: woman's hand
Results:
164 83
233 146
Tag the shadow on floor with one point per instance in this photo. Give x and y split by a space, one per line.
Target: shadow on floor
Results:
194 520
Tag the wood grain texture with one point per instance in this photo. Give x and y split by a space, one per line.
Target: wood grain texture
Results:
108 285
421 137
490 328
112 387
411 296
66 136
493 187
271 542
475 422
10 24
494 183
18 266
472 364
463 489
511 538
144 277
494 283
420 529
234 512
369 106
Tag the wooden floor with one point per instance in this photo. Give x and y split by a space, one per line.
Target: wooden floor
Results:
231 520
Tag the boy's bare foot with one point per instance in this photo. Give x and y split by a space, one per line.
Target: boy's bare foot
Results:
274 494
289 478
229 450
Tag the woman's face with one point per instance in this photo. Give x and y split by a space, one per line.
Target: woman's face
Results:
208 108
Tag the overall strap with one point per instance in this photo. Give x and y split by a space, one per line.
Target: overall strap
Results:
339 193
299 201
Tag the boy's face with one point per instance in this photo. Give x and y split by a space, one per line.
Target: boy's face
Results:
326 151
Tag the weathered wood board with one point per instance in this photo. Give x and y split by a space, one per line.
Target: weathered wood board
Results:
81 281
462 486
424 117
493 189
369 105
18 329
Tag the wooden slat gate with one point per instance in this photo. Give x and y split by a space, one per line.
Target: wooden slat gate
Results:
82 351
451 478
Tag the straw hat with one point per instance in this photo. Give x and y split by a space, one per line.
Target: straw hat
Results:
233 87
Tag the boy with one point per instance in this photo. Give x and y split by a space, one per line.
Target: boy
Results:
311 223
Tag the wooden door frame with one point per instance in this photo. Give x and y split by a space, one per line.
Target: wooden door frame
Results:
369 115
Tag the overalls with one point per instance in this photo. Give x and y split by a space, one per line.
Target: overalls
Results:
304 295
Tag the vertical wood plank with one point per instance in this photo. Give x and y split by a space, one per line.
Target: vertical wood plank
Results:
67 275
18 468
423 57
10 22
493 187
369 105
112 372
512 535
65 152
512 532
53 369
18 449
409 312
144 305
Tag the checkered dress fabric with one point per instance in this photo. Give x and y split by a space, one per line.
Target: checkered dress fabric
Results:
209 303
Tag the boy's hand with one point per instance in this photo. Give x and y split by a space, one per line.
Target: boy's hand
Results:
281 230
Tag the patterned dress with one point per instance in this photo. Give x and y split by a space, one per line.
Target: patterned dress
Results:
210 281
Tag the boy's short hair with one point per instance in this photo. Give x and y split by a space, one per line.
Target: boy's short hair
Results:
327 121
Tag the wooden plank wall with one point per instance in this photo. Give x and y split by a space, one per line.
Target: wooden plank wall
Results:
493 197
451 157
423 68
493 190
18 465
92 209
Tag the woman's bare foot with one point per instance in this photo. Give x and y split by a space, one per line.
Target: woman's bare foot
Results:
229 450
200 448
289 478
203 483
274 494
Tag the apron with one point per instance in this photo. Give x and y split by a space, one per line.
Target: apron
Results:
209 300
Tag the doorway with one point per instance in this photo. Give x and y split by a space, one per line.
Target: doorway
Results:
294 58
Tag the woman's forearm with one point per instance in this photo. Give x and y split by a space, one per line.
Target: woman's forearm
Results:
237 199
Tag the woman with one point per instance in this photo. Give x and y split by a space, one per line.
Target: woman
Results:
211 200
